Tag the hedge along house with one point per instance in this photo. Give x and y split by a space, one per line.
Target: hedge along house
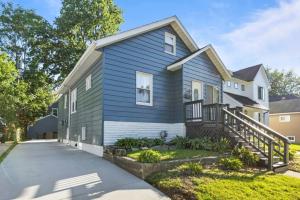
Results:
135 84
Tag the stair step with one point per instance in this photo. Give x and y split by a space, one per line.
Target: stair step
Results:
280 167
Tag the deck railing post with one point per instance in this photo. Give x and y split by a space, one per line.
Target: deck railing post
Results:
270 154
286 153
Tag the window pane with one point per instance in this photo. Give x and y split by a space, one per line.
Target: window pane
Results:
143 81
169 40
143 96
169 48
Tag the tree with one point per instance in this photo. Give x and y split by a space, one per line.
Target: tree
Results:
27 38
283 83
80 22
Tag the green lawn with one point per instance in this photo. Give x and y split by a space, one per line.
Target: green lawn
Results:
177 154
218 184
295 164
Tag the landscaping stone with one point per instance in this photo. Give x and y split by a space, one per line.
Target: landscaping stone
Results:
143 170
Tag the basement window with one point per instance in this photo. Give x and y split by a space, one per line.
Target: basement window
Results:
292 138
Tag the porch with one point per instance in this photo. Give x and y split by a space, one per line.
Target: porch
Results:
217 120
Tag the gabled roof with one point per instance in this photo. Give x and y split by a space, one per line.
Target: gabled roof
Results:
285 106
242 99
172 21
211 53
247 74
92 53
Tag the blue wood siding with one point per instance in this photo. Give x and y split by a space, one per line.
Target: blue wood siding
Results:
89 108
201 69
144 53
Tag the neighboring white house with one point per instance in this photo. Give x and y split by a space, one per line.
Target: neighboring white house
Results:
248 88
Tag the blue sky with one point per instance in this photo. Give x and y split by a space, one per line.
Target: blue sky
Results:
244 33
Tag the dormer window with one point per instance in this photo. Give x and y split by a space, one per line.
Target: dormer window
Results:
170 43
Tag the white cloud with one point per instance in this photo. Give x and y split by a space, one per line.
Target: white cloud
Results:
271 37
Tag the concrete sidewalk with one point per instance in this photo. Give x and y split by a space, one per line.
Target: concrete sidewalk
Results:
49 170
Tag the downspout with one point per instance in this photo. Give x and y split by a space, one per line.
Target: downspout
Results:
69 116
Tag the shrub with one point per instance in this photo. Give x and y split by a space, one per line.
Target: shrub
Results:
190 169
180 142
149 156
231 163
201 143
222 145
129 143
246 156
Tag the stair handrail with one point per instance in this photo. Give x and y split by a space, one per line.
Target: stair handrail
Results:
250 125
265 127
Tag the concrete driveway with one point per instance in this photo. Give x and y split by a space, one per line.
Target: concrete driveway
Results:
50 170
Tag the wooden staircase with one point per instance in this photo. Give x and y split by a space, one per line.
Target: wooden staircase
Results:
271 147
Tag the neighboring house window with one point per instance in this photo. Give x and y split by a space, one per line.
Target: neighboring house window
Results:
88 82
292 138
54 111
144 89
261 93
228 83
74 100
236 85
243 87
65 101
170 43
284 118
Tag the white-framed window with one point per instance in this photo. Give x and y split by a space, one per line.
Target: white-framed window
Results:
284 118
243 87
144 89
88 82
74 100
292 138
260 93
65 101
236 85
83 133
228 83
170 43
54 111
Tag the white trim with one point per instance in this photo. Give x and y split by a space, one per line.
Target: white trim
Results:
212 54
286 113
173 21
114 130
167 34
151 88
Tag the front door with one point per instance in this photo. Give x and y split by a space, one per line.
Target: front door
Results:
197 94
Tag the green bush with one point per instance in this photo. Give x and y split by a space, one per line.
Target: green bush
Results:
149 156
190 169
246 156
180 142
204 143
129 143
231 163
222 145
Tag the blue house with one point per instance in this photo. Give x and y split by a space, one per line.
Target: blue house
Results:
135 84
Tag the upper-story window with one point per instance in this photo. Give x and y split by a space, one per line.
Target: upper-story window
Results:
144 89
88 82
228 83
261 93
74 100
65 101
236 85
243 87
170 43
